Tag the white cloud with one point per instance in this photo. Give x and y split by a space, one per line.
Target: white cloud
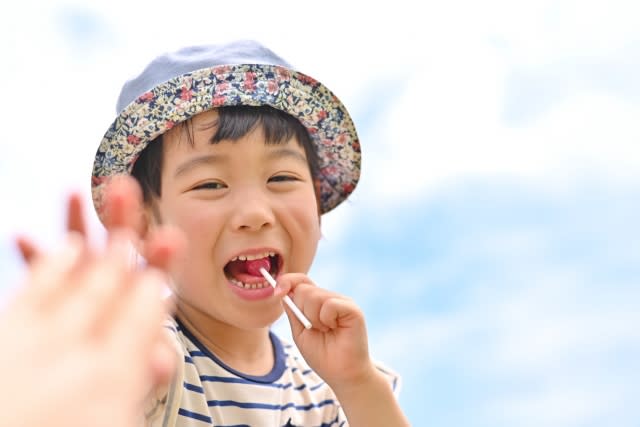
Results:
443 131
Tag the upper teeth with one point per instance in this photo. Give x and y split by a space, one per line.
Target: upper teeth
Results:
252 257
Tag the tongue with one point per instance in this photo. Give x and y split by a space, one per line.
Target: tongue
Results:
238 269
253 267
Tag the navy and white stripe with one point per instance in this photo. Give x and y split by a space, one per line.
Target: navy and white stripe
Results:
207 392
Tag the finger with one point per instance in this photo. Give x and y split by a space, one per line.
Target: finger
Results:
123 204
336 312
305 295
27 249
346 319
75 215
49 274
285 286
86 305
75 224
163 247
168 301
297 327
114 278
163 359
310 300
136 323
287 283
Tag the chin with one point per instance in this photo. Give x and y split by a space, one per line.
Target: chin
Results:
264 321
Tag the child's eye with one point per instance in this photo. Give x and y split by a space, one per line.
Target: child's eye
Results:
212 185
282 178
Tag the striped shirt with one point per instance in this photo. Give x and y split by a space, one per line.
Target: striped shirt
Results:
206 392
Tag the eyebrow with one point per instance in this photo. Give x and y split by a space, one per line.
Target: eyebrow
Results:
212 159
208 159
287 152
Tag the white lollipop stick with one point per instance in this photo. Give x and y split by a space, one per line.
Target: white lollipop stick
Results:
301 317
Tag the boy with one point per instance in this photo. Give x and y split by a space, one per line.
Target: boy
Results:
243 155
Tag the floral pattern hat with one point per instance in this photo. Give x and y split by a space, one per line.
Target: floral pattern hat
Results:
177 86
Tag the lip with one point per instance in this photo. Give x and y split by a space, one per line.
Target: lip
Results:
251 294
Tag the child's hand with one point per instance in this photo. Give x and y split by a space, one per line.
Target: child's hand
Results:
123 207
336 347
85 335
83 339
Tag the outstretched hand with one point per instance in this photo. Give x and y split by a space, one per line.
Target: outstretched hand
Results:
123 211
83 339
84 336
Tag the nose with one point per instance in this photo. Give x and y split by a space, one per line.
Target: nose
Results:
252 212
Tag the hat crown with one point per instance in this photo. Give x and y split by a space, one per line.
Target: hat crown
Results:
192 58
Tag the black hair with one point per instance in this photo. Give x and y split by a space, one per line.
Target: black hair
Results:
234 122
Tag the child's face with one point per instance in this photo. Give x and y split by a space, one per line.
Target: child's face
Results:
233 199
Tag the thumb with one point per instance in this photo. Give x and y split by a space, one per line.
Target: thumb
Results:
281 292
123 204
164 247
287 284
282 289
297 328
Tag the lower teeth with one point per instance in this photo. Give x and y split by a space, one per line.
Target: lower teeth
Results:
247 286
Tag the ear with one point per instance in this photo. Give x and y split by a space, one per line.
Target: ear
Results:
316 189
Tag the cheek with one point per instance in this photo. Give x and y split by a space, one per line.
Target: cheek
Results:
201 227
193 269
306 211
192 217
307 224
313 214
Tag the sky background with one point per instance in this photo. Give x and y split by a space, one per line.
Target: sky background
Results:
493 239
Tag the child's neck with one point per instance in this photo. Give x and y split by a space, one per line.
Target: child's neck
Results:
246 350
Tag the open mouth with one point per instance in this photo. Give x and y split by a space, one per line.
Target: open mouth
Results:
244 270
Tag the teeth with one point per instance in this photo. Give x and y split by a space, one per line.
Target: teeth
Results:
252 257
247 285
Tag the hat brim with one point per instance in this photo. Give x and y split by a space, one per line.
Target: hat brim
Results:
159 109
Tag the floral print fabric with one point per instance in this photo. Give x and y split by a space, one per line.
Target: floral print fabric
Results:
158 110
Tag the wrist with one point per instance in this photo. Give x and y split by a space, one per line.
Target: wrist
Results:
369 379
369 401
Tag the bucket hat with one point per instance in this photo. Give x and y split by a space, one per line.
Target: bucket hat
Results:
176 86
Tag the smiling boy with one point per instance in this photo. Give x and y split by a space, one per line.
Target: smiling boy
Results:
243 154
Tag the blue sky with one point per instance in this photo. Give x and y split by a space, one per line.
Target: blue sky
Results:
493 240
501 295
